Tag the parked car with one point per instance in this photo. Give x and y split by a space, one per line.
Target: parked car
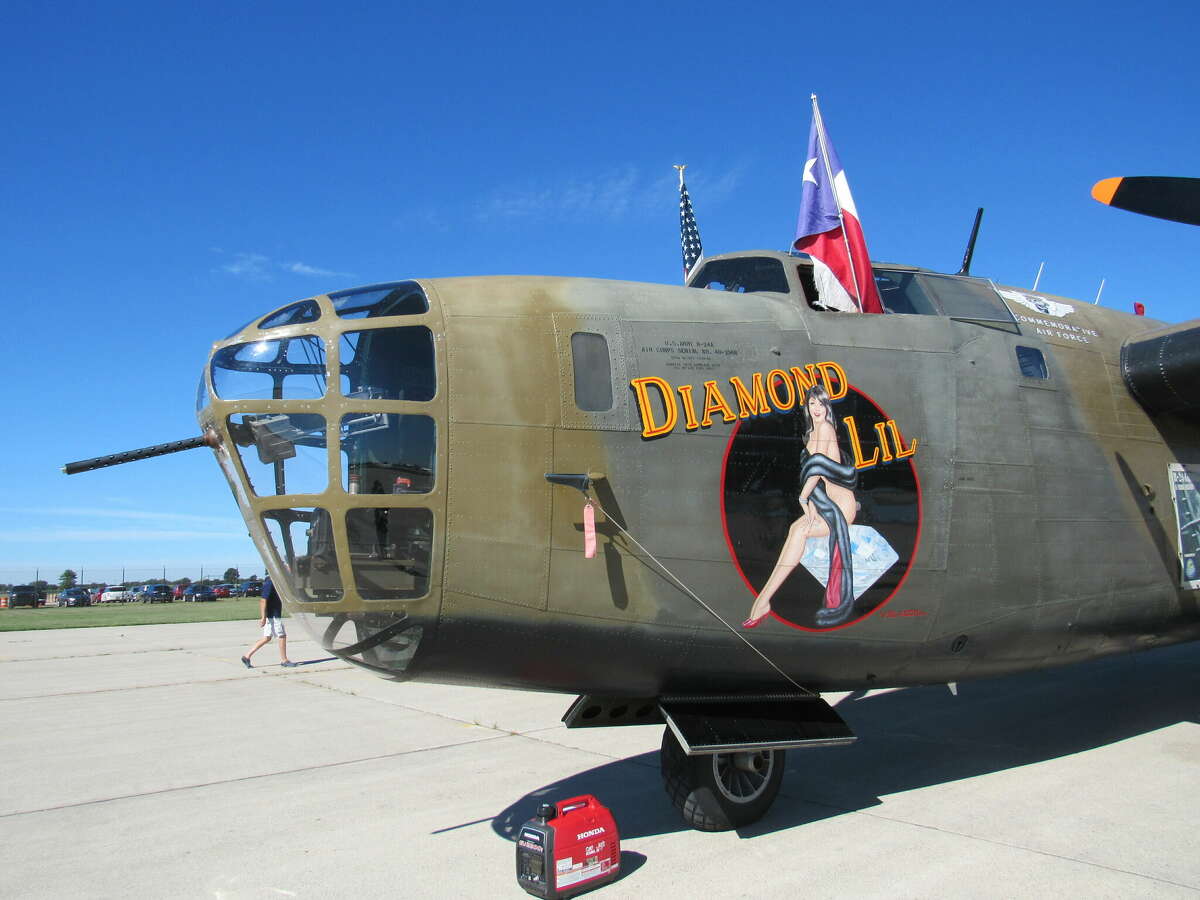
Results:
223 590
156 593
24 595
198 592
117 593
250 589
177 593
74 597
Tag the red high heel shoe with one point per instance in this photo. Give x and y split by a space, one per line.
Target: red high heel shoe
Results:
756 621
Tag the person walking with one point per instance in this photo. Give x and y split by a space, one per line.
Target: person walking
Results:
271 620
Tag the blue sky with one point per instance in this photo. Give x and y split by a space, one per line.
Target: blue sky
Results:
173 170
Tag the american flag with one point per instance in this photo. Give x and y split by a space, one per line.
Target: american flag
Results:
689 234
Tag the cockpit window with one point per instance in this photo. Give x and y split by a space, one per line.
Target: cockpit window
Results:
296 314
931 294
386 453
743 275
282 453
388 364
284 369
401 298
973 299
901 292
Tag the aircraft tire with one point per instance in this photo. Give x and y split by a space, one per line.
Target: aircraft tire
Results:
718 792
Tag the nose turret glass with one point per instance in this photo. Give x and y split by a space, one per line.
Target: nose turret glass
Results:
329 413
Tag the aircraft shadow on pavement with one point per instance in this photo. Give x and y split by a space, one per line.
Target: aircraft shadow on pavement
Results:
920 737
630 788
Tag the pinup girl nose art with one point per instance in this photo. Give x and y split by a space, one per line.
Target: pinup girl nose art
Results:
822 510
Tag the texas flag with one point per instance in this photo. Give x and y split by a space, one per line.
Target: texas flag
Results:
841 265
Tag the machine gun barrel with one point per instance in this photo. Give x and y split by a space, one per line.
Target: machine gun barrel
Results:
966 263
116 459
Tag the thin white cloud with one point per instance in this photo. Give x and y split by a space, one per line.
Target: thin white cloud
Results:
258 267
616 195
299 268
610 195
718 187
253 266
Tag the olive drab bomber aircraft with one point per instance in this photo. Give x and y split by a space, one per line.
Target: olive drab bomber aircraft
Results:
610 489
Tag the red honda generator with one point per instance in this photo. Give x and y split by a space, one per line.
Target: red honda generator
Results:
568 847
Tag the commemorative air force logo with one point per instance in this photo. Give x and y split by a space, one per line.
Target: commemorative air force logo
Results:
1038 304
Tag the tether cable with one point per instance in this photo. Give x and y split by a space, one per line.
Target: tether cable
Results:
694 596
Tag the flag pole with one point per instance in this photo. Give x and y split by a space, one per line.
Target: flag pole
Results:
829 174
680 168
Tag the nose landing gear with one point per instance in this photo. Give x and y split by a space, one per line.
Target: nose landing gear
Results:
722 757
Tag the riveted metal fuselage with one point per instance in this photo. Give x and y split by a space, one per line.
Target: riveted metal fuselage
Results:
1012 521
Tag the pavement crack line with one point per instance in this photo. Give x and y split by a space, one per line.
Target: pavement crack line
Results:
304 682
240 676
248 778
77 656
127 687
531 734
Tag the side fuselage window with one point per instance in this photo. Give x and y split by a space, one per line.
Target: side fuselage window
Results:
593 371
1032 362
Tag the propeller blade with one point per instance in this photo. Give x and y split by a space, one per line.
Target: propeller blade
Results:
1161 196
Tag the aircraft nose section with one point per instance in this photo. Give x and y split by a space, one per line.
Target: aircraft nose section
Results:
329 412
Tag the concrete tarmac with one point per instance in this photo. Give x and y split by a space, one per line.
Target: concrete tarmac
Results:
148 762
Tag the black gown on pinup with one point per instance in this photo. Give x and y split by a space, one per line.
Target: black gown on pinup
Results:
839 587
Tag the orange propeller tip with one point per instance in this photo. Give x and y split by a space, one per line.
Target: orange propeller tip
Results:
1105 190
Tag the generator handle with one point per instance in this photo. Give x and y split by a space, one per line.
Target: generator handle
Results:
565 806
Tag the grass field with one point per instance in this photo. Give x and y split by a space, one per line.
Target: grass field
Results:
25 619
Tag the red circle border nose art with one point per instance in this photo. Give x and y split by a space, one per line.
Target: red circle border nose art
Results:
793 553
